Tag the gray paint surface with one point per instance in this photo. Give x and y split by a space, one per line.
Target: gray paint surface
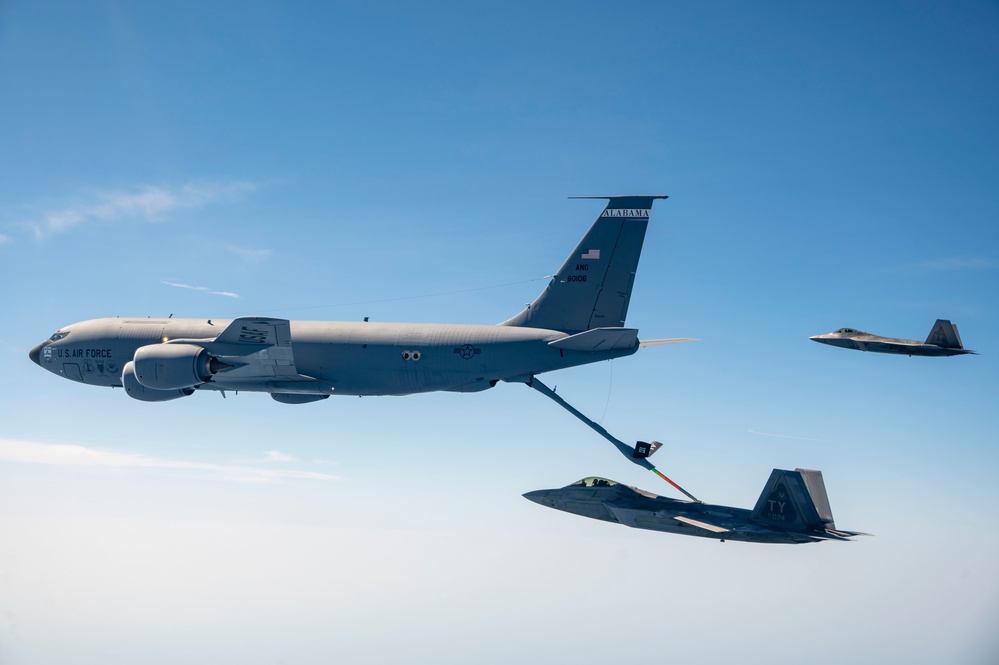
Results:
578 319
793 508
943 340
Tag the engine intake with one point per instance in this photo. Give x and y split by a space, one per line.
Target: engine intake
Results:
174 366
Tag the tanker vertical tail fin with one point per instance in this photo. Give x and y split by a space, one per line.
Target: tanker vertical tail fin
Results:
593 287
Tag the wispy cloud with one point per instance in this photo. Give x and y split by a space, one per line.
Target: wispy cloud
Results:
270 456
249 255
781 436
145 203
12 450
203 289
4 239
955 264
276 456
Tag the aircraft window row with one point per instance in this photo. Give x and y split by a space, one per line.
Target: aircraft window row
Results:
57 336
593 481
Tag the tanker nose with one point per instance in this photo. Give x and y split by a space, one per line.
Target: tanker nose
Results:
36 353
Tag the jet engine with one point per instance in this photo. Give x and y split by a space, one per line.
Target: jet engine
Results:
138 391
174 366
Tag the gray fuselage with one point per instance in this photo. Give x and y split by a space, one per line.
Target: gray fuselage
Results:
862 341
330 357
609 501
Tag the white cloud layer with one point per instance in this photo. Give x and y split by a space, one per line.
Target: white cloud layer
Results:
61 454
145 203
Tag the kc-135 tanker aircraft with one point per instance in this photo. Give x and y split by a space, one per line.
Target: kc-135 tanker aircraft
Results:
578 319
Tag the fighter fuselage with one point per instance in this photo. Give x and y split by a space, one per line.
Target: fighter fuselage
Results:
862 341
781 515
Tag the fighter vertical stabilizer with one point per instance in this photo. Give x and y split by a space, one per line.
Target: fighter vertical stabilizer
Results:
592 289
944 334
792 501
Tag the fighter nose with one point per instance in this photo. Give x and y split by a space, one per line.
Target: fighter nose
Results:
537 496
36 353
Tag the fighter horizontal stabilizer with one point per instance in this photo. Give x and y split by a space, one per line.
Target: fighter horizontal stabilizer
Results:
658 342
645 449
836 534
701 525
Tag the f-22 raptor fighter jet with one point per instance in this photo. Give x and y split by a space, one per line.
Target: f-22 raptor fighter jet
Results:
943 340
578 319
793 508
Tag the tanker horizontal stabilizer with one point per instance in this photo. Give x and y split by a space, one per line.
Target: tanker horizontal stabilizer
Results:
599 339
659 342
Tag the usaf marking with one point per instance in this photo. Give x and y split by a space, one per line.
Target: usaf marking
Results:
249 335
84 353
467 351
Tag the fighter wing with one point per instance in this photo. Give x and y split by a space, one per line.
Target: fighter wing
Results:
701 525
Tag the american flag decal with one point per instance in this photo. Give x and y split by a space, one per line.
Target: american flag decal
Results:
591 255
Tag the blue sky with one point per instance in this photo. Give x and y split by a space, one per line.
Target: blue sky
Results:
828 165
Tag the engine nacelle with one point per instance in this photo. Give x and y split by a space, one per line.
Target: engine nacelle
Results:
138 391
476 386
173 366
294 398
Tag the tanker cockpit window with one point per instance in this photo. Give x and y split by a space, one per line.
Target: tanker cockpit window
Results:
57 336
